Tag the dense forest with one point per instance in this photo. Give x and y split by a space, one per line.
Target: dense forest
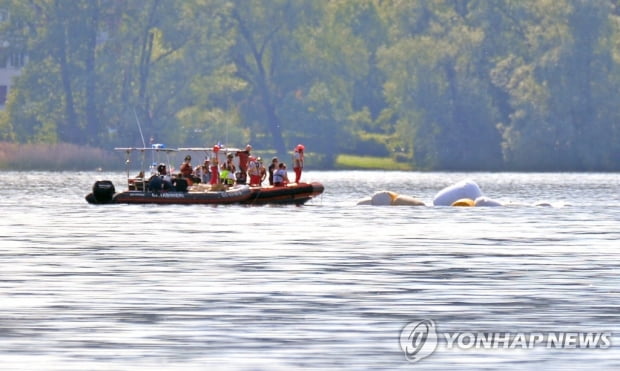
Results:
437 84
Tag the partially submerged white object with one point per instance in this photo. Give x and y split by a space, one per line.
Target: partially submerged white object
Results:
457 191
387 198
485 201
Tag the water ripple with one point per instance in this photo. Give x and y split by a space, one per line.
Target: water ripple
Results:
327 285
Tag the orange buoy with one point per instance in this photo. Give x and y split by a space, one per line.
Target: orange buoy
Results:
464 202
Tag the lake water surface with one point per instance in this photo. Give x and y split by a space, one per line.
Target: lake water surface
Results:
326 285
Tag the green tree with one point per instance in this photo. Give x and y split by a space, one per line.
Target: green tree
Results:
437 92
468 84
559 87
335 61
258 56
94 67
158 54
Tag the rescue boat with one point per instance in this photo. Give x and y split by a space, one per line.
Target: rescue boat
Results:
178 190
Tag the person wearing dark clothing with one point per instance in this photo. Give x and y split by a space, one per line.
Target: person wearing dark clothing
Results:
244 157
272 169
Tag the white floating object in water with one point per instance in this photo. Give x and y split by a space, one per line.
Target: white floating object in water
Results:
485 201
463 189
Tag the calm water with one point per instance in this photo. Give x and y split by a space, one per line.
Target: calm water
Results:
327 285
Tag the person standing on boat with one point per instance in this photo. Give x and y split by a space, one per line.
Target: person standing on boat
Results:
261 169
187 170
272 169
280 177
215 168
244 158
254 171
298 161
203 172
228 170
215 171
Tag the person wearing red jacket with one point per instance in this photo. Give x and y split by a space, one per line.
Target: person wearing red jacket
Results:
298 161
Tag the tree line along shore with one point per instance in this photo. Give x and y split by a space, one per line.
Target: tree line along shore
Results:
524 85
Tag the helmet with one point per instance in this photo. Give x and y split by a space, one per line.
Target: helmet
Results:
161 168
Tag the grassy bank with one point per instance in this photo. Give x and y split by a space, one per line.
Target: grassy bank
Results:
56 157
351 162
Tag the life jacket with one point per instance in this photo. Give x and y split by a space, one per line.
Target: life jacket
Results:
254 168
228 166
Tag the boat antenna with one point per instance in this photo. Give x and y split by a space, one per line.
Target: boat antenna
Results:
139 128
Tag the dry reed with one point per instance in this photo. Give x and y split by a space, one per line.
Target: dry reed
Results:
56 157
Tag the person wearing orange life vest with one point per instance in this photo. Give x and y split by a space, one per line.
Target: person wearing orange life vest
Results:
298 161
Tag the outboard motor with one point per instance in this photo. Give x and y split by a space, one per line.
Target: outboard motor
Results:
103 191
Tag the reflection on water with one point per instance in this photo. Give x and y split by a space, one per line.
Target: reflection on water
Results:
329 284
